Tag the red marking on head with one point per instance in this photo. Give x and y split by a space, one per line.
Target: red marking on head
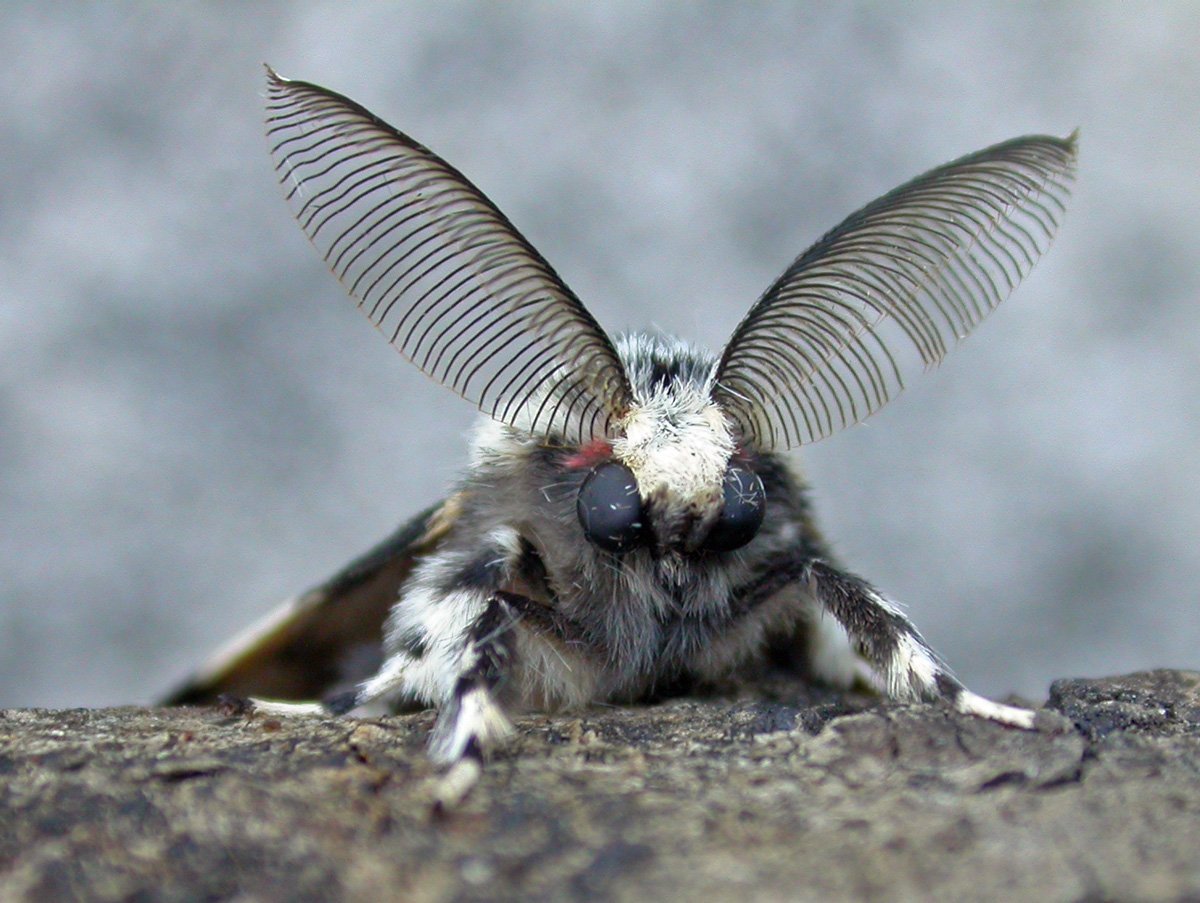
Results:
741 455
588 456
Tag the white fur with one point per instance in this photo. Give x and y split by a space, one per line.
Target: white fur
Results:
288 709
912 671
391 682
832 658
452 787
973 704
676 440
491 444
508 540
444 621
476 716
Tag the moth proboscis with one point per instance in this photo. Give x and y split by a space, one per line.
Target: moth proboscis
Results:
628 519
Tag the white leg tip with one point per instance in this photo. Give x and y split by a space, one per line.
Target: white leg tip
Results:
288 709
974 704
456 783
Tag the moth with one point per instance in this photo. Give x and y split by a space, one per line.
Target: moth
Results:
628 520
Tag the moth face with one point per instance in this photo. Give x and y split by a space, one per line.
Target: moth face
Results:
670 482
462 294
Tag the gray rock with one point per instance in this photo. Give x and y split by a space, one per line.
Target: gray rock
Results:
769 792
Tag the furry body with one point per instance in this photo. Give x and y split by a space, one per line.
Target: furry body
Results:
627 522
517 611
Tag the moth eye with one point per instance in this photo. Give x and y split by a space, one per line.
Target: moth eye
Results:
610 508
741 513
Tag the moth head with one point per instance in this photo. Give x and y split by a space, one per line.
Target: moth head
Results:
673 479
665 438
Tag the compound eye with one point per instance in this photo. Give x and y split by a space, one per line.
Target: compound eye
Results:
742 512
610 508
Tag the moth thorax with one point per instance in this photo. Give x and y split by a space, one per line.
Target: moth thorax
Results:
676 450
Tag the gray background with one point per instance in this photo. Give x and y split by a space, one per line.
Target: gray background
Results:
195 423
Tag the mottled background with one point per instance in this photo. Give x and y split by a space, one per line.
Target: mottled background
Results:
195 422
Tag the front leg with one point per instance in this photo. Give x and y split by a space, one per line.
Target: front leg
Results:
457 652
451 651
470 638
452 648
892 645
455 655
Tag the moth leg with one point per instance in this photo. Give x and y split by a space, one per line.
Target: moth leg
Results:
472 720
288 709
907 667
831 657
453 651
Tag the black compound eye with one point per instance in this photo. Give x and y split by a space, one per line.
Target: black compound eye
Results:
742 512
610 508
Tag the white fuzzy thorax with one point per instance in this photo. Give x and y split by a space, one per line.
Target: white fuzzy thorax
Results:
677 440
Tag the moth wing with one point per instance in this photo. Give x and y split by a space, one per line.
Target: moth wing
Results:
328 638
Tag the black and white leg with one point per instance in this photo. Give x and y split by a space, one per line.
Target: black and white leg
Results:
907 667
457 671
448 644
454 652
471 720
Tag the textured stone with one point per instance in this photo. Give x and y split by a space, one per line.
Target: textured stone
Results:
770 792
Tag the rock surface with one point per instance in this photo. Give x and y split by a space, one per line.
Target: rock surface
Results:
774 792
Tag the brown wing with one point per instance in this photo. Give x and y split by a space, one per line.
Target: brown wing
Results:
328 638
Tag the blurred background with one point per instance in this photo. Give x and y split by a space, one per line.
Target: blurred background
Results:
195 423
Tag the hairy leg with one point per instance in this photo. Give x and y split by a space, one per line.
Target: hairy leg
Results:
891 643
